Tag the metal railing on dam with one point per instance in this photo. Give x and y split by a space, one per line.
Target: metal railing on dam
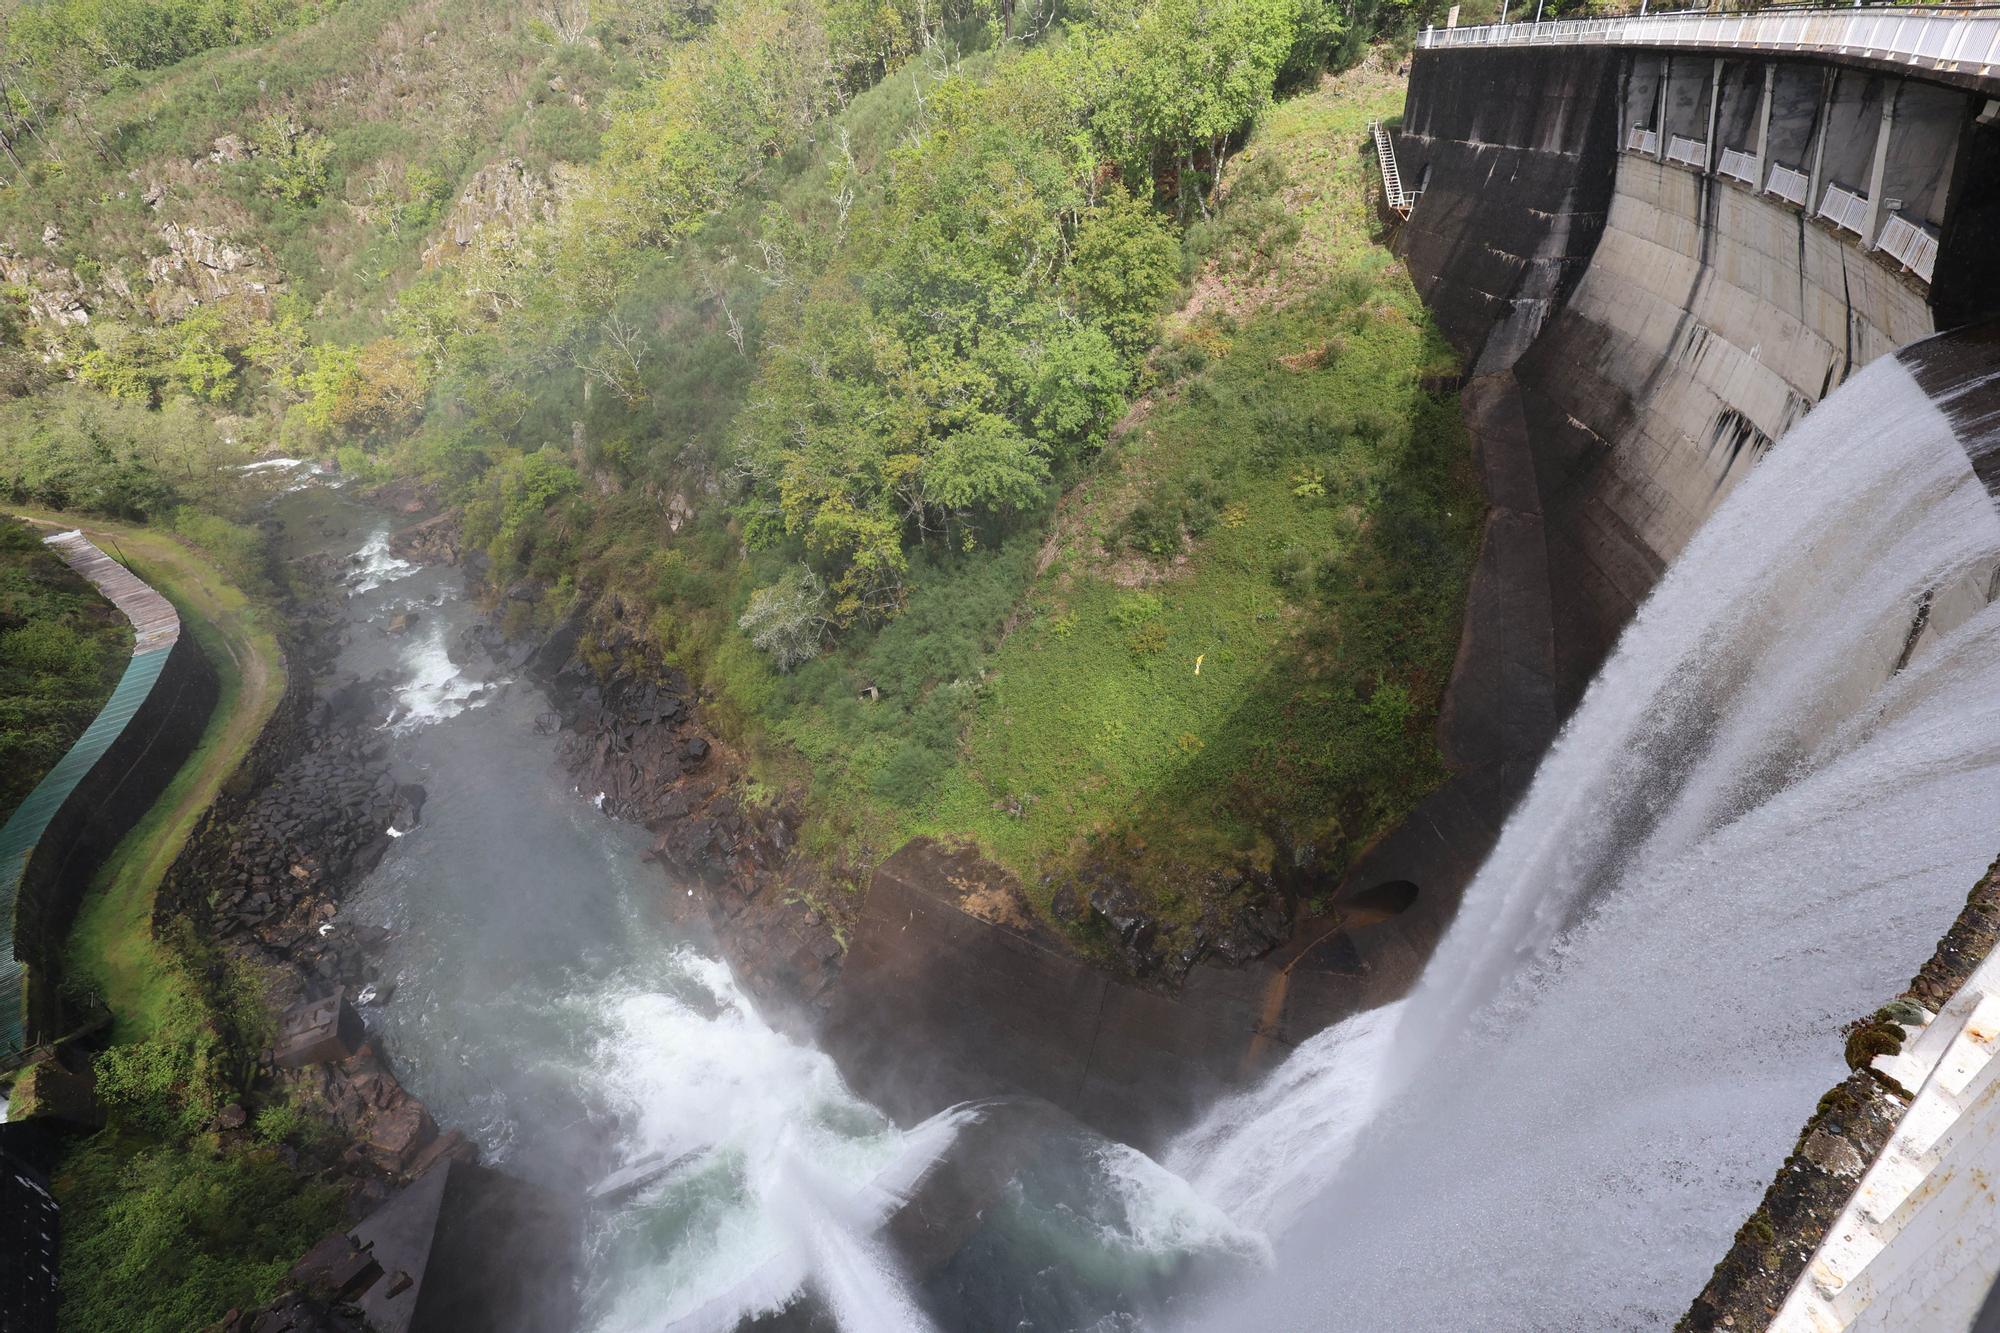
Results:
1961 41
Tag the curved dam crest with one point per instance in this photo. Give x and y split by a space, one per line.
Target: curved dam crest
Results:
1666 322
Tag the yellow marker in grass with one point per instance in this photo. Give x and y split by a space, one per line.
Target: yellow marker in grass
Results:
1197 662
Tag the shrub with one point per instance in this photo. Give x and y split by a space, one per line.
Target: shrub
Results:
278 1122
789 619
426 192
1135 610
1125 267
375 387
47 647
175 1082
295 160
1148 640
1254 227
161 1239
1171 511
912 770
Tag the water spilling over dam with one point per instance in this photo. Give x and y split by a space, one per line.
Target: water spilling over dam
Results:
1768 804
1343 678
1764 807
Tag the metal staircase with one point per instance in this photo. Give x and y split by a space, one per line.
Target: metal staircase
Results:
1400 201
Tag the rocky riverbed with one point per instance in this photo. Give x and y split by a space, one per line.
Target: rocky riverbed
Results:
267 868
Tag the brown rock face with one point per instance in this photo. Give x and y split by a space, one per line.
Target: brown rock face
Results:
200 266
435 541
500 195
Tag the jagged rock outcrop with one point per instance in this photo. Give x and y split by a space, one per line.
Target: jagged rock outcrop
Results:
435 541
198 265
502 194
54 296
636 739
1247 916
322 823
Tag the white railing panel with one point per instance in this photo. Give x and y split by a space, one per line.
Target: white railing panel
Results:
1693 152
1845 208
1643 141
1738 166
1788 184
1912 245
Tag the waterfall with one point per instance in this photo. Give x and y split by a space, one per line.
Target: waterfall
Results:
1754 828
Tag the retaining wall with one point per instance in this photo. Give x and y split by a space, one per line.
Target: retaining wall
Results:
54 844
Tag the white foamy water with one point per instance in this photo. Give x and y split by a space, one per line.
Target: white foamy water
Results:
436 688
1307 1116
375 566
797 1174
1155 1213
1753 829
537 1000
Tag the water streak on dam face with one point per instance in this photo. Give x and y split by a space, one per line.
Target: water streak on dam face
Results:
1753 828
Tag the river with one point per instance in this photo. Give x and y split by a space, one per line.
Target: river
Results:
1763 814
544 1004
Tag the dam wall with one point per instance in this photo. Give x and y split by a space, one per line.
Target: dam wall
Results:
943 1000
1627 231
1514 190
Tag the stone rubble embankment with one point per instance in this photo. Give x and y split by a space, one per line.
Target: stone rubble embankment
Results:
266 869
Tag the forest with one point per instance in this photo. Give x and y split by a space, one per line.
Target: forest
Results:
1006 414
808 339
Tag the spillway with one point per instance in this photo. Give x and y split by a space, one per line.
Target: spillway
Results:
1765 810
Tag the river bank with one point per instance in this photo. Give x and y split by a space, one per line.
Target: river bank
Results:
553 1000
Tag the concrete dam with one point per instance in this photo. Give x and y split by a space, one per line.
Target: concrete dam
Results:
1660 244
1675 254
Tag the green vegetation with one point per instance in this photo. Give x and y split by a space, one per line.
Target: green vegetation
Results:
175 1235
1014 425
1232 645
62 650
62 51
164 1226
810 361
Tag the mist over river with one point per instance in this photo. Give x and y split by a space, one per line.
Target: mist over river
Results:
540 998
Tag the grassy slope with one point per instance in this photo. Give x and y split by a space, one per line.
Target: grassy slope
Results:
164 1229
112 945
1182 706
1344 514
62 649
